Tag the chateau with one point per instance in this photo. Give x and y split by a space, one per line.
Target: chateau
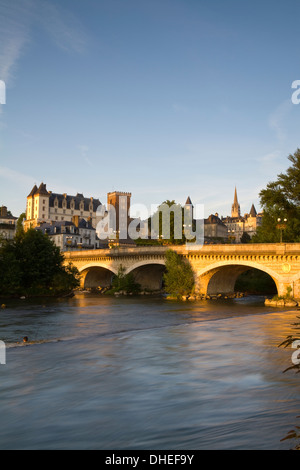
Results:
45 207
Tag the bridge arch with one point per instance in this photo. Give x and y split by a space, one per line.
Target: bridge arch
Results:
95 275
148 273
220 277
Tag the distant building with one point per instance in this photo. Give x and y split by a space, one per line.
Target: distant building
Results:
8 224
214 229
237 225
76 235
44 206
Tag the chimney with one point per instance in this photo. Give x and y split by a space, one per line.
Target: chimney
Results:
75 220
3 211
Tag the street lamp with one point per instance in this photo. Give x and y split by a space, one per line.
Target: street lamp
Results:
231 237
281 226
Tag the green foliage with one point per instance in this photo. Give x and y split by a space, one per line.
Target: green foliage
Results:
255 281
175 227
281 199
245 238
179 277
20 228
32 265
124 282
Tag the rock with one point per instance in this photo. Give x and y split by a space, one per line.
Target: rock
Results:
290 303
192 297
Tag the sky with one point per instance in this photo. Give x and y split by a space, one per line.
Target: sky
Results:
161 98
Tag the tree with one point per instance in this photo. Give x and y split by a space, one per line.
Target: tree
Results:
175 228
245 238
281 200
179 277
31 264
20 220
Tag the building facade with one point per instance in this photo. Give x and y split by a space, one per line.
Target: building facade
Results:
215 230
44 206
8 224
69 236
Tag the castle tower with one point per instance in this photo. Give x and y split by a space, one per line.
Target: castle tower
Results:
189 209
121 203
37 209
235 208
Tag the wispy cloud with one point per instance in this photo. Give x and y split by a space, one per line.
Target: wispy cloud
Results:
277 120
14 34
18 19
64 28
84 149
19 179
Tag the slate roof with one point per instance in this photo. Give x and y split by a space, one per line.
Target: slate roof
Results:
42 190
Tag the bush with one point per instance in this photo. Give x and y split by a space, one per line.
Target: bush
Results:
124 282
179 278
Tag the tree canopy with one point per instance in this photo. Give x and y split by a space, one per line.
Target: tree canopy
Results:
31 264
281 200
179 277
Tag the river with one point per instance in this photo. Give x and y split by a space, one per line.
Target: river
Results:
146 373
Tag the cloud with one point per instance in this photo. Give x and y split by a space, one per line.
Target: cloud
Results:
84 149
18 19
277 120
19 179
14 34
61 24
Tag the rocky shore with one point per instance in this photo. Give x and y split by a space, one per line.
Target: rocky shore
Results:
281 302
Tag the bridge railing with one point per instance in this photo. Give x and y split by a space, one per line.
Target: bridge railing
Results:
234 249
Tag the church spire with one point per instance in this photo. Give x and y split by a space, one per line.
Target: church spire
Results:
235 208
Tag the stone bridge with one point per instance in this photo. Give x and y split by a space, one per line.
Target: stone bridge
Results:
216 267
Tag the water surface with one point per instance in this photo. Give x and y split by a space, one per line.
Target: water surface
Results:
145 373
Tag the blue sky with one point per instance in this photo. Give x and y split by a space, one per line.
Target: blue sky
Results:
162 98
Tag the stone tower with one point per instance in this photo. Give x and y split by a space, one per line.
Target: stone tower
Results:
235 208
121 202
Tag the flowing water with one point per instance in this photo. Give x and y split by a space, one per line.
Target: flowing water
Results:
146 373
